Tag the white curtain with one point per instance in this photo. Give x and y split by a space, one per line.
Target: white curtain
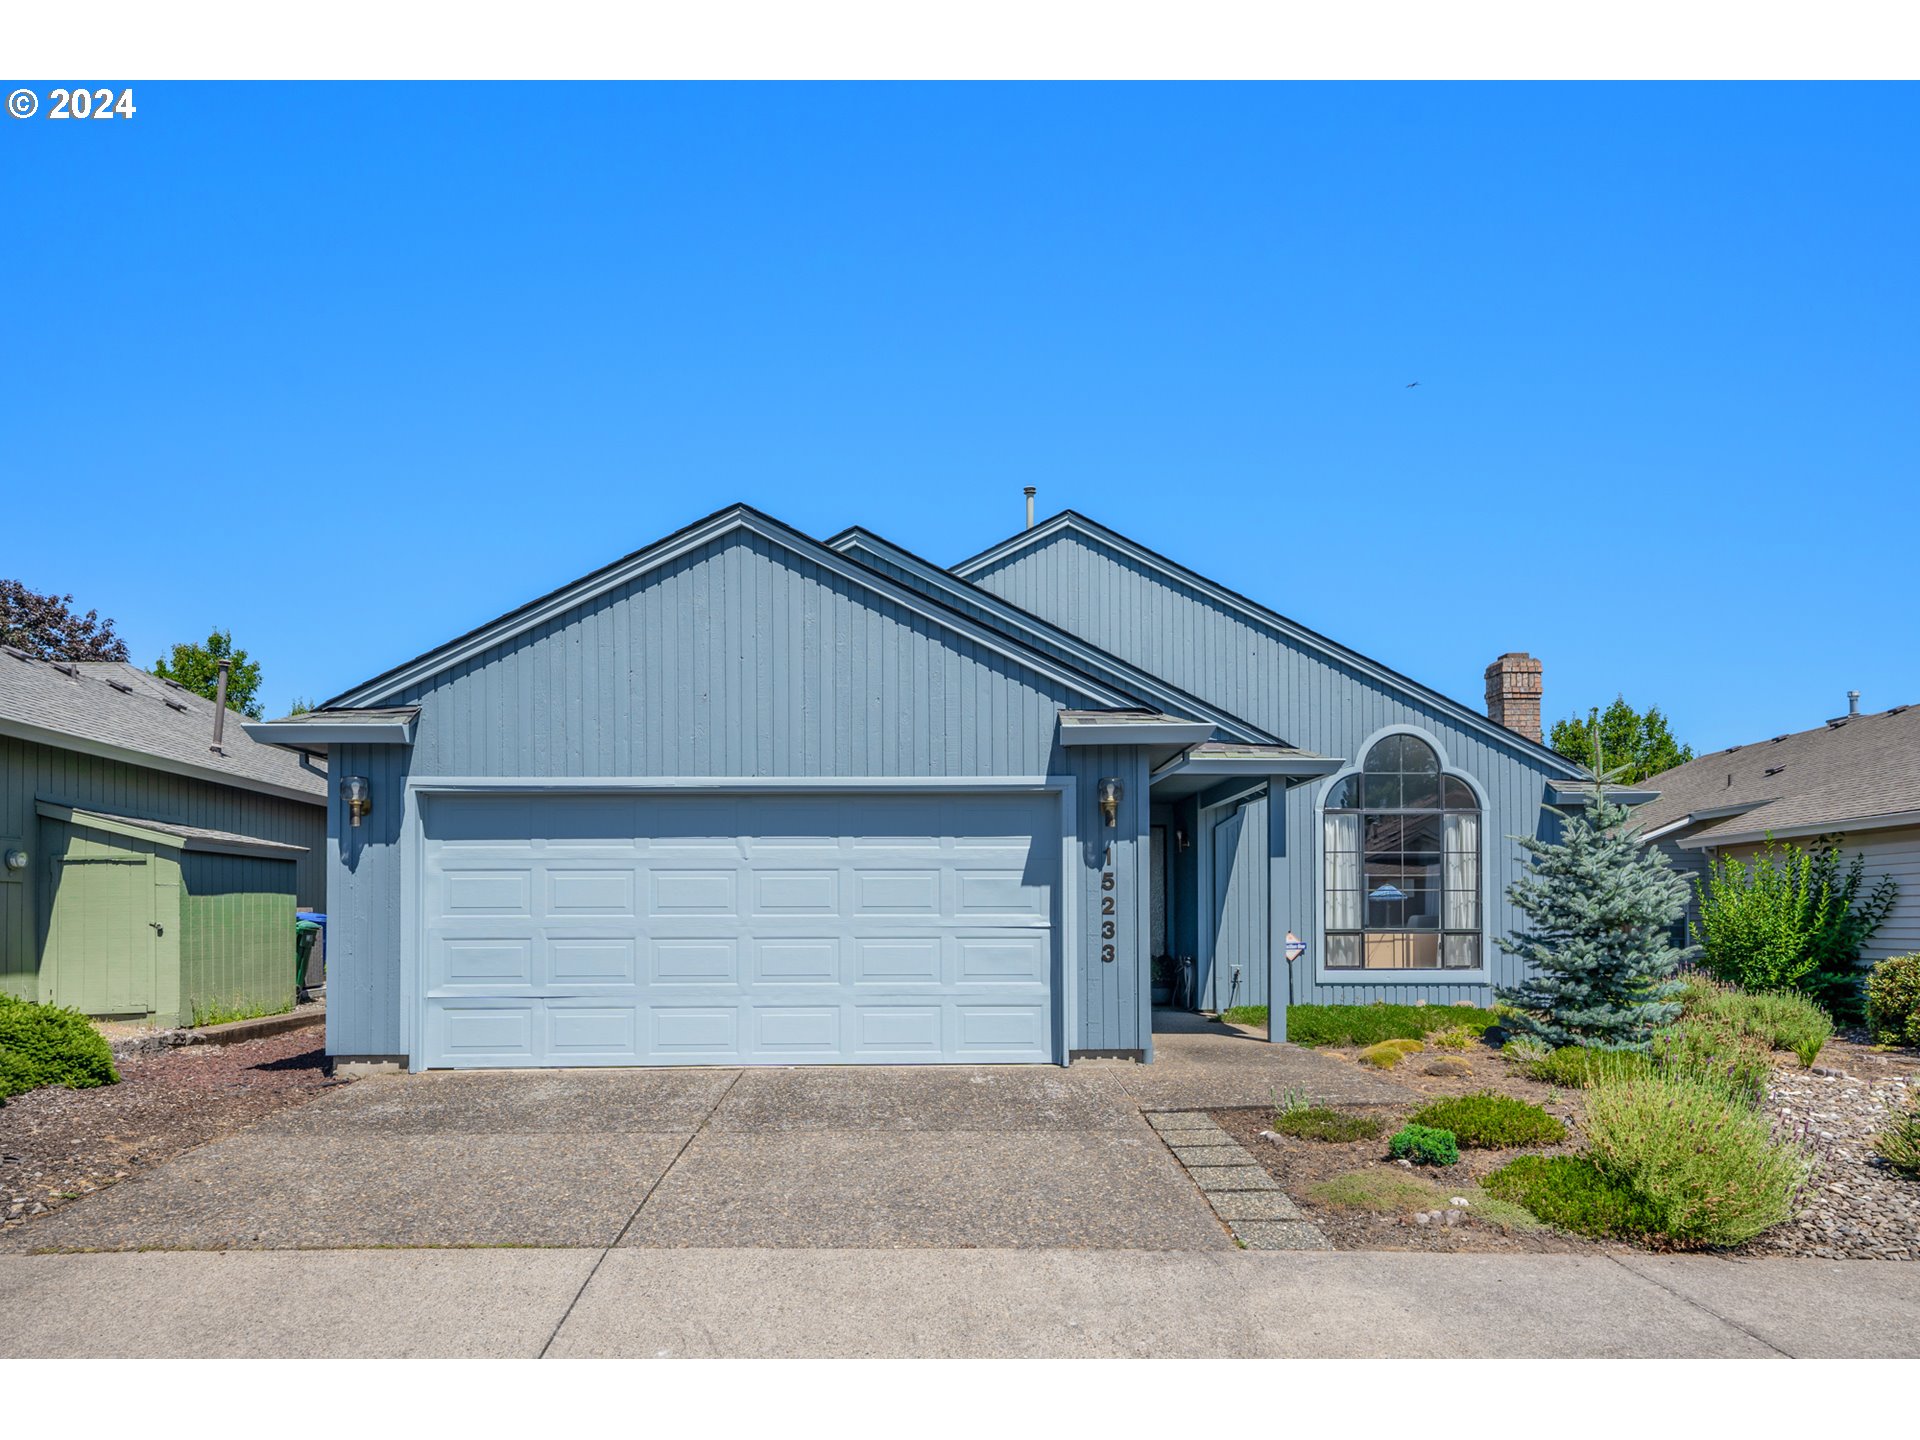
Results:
1343 872
1462 878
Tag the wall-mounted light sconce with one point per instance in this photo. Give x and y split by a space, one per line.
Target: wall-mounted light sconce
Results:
358 797
1181 840
16 859
1110 793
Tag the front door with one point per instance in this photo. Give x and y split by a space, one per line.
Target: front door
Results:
1234 967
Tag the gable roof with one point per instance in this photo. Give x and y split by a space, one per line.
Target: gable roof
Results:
390 685
1072 522
1023 625
1860 772
119 712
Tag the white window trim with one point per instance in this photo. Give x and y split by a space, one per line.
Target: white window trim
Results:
1480 974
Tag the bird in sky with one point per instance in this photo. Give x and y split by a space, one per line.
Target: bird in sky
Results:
1413 385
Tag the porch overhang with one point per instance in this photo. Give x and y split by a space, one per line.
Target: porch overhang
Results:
1161 735
1202 767
1576 792
317 730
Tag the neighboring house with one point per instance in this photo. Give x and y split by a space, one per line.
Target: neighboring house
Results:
1853 782
748 797
146 872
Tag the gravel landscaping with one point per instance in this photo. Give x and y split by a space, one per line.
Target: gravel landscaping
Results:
58 1145
1857 1207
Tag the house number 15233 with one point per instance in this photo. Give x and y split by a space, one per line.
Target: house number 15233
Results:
1108 910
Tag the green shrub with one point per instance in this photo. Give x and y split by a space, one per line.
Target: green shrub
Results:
49 1045
1706 1164
1317 1025
1789 919
1893 1001
1524 1050
1320 1123
1785 1021
1575 1067
1458 1037
1899 1144
1486 1121
1716 1054
1389 1053
1575 1194
1424 1146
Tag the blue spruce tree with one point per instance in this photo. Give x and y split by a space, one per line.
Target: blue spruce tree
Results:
1598 947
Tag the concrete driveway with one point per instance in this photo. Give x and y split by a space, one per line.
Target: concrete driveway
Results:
872 1158
886 1158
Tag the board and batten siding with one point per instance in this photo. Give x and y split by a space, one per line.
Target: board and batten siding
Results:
1315 700
31 772
739 659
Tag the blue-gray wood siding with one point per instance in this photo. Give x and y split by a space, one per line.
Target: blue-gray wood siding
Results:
740 659
1173 629
31 772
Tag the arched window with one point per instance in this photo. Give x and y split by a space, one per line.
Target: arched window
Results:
1402 864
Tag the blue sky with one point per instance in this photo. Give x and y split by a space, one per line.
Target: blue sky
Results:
351 369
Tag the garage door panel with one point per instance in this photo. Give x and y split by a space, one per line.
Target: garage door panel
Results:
471 1033
577 1034
795 892
582 961
1001 1030
693 892
489 892
483 962
906 960
784 1031
680 1034
896 892
799 960
905 1032
688 961
589 892
829 929
999 959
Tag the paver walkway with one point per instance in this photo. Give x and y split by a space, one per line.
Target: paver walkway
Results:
1241 1192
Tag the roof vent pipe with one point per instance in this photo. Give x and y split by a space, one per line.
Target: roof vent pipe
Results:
1853 701
1030 490
220 705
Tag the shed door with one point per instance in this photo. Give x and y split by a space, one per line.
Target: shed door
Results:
624 930
100 928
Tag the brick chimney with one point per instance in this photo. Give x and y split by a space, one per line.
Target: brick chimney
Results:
1513 693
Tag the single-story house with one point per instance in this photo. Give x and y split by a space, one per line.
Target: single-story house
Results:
745 796
1852 783
151 859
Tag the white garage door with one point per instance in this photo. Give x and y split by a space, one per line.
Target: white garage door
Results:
770 929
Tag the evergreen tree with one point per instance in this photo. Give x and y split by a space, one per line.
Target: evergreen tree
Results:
1599 947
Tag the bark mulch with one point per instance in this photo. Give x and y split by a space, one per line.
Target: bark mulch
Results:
1301 1164
57 1145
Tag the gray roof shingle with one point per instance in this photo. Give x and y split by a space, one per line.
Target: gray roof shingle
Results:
1835 776
115 708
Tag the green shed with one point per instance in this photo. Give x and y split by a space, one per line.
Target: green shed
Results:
170 922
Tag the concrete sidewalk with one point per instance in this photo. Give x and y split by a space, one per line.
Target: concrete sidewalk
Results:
743 1302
